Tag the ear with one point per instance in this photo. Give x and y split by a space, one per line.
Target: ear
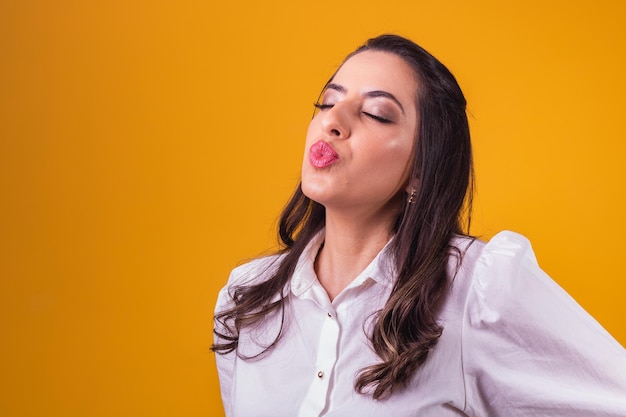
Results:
412 186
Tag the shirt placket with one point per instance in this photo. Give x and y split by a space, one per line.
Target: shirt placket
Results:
318 393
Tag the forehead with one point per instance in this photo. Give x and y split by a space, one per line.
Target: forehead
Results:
378 70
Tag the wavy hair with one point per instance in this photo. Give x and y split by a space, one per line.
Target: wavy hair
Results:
406 328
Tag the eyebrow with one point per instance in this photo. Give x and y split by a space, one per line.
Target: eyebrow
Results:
373 94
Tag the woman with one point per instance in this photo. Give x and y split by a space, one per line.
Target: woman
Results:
379 304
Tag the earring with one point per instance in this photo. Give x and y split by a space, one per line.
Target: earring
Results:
411 198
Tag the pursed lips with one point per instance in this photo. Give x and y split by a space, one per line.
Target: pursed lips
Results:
322 154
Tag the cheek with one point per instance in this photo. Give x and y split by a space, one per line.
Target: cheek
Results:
396 158
395 150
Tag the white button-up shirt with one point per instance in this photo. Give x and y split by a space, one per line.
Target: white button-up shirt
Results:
514 344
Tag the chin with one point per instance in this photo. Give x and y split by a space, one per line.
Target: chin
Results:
311 194
317 194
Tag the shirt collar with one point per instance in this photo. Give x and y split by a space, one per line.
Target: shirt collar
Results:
379 269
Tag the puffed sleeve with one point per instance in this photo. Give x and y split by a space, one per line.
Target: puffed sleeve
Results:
225 362
528 348
246 274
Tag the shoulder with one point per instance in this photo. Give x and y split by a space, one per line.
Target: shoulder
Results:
508 243
485 274
509 248
504 250
505 284
254 271
504 259
249 273
496 262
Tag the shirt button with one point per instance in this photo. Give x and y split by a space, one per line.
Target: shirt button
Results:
320 374
330 315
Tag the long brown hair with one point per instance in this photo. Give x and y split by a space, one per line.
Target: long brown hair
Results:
406 328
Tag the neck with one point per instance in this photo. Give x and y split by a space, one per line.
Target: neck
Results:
351 243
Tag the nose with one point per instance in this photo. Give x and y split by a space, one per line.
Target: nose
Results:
335 122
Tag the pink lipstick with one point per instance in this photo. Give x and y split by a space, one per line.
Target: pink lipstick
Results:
322 155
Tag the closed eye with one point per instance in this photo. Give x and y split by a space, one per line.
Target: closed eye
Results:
325 106
378 118
322 106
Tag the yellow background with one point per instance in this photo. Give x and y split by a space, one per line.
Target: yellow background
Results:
147 147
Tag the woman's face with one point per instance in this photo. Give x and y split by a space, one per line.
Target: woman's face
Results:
359 146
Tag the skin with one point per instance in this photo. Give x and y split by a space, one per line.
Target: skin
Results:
363 190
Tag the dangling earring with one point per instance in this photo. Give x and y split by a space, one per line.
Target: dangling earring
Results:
411 199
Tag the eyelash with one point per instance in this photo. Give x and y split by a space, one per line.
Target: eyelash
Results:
322 106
